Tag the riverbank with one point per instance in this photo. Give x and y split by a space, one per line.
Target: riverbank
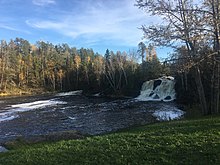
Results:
17 92
23 92
176 142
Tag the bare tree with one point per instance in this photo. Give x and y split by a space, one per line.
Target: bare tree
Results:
213 22
114 70
141 50
133 59
183 24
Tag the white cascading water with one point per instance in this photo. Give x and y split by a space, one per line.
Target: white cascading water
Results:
161 89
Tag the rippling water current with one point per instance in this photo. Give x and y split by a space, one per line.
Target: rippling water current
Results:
39 115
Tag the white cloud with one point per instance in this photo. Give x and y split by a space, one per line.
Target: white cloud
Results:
8 27
43 2
13 29
45 24
119 22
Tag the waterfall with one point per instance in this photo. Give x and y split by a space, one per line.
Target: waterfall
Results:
161 89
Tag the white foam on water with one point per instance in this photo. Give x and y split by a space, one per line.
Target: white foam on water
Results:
72 118
12 112
35 105
71 93
7 117
165 114
97 94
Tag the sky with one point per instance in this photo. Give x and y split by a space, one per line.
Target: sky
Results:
96 24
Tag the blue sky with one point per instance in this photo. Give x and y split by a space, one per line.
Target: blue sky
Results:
96 24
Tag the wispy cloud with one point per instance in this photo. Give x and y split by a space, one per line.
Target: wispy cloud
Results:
13 29
45 24
119 22
8 27
43 2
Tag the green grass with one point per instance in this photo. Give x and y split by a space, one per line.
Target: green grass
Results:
177 142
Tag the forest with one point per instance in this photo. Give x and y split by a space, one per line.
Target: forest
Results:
192 30
24 67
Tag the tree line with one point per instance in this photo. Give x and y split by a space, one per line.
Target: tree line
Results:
64 68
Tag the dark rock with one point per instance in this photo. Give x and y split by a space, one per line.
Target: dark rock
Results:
168 98
156 97
151 94
156 83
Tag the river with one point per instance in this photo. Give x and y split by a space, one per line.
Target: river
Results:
39 115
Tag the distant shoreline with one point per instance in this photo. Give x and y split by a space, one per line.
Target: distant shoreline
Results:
22 92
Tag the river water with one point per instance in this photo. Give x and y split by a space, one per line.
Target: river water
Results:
39 115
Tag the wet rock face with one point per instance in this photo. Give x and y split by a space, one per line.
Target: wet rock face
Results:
157 83
156 97
168 98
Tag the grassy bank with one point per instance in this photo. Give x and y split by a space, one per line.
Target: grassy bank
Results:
177 142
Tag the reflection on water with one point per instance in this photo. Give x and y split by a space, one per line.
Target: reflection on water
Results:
26 116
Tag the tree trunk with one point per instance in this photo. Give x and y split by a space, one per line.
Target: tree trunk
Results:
200 90
215 108
186 81
212 89
216 71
